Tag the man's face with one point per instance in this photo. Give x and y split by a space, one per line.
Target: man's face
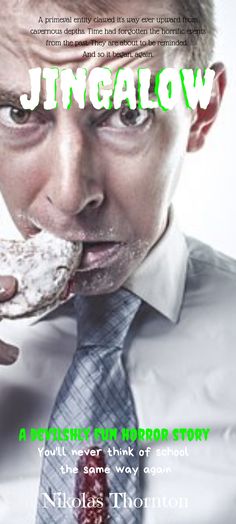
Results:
102 177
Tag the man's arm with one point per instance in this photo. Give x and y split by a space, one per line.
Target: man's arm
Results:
8 353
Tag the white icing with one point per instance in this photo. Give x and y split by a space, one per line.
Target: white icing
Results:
42 266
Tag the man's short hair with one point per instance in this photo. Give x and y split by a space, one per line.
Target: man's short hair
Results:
201 37
201 42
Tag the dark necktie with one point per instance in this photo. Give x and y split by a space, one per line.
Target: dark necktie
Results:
96 394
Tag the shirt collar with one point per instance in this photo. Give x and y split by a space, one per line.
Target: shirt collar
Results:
160 279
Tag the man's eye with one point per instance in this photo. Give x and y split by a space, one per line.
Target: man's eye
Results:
13 116
126 117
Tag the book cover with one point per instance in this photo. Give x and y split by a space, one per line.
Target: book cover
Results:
117 352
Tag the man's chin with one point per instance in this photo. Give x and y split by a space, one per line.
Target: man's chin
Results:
111 272
98 281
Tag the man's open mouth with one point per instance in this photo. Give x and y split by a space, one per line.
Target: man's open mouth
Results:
98 254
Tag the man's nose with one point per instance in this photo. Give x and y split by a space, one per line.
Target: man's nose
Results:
73 183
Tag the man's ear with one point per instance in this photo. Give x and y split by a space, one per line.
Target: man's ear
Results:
204 118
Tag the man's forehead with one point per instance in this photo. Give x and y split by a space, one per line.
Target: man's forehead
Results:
29 49
17 9
92 6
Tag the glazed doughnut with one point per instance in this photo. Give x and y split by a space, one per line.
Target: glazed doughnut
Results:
43 266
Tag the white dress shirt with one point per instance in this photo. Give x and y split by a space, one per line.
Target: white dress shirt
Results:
181 361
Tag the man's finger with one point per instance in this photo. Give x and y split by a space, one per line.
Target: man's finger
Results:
8 286
8 354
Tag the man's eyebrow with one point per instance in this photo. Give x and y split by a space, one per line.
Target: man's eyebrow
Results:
11 98
152 84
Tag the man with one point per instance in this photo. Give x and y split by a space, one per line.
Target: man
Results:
110 183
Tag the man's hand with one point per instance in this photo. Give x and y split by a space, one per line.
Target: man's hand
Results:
8 353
